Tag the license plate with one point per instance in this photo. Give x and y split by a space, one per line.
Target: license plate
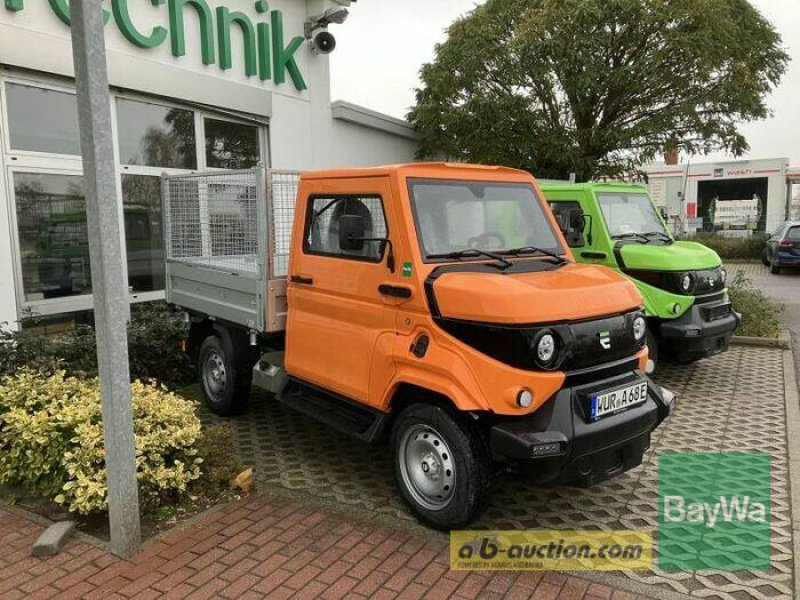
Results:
608 403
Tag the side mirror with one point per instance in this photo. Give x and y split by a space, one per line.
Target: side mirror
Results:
351 233
574 234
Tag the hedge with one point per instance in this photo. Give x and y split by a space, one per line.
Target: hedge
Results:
51 440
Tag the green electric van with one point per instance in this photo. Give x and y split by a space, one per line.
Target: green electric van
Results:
683 283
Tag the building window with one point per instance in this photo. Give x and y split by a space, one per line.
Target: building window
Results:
153 135
231 145
42 120
141 200
53 236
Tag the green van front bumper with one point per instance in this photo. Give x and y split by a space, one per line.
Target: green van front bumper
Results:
702 331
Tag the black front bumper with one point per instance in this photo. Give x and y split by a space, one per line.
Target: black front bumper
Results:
587 451
700 332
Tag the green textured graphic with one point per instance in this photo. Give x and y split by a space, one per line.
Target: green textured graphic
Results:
714 511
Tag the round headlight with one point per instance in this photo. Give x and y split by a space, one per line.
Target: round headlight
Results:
525 398
723 275
639 328
686 282
546 348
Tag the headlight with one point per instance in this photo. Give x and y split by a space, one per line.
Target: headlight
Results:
639 328
546 348
723 275
686 282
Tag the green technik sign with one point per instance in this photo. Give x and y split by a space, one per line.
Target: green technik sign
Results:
266 55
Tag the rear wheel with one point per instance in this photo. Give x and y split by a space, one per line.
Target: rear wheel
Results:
765 257
442 466
224 388
773 268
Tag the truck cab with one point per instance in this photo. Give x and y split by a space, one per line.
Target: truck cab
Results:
437 309
683 283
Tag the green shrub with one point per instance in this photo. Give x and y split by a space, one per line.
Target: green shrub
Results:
51 440
731 247
154 335
760 314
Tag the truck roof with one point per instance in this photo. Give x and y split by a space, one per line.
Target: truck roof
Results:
592 185
434 170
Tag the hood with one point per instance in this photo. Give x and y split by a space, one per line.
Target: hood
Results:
574 292
680 256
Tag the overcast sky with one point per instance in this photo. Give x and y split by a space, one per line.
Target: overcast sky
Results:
384 42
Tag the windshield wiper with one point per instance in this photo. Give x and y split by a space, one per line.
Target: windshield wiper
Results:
637 236
473 252
661 234
531 249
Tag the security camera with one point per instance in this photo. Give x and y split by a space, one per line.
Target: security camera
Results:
323 43
337 15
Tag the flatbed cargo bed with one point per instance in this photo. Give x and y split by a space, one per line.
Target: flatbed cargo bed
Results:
227 238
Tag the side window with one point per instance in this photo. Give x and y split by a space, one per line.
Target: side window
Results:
346 226
567 215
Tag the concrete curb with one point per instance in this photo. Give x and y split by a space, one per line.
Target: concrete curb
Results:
783 340
45 522
793 448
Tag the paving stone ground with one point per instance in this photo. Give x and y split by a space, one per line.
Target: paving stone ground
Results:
344 532
269 548
731 402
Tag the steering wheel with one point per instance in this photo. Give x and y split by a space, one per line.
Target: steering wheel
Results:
483 240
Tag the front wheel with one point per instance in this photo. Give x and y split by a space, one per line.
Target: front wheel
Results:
442 466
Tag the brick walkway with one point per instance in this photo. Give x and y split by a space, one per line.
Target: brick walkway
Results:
273 548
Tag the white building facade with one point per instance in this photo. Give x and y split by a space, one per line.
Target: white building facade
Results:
195 85
733 196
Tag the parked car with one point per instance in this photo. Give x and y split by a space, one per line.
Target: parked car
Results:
435 308
783 248
689 315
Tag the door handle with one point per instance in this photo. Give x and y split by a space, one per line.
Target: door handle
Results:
395 291
302 279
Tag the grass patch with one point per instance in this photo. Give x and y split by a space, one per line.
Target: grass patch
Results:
760 314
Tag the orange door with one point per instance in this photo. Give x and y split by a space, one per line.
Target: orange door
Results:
337 315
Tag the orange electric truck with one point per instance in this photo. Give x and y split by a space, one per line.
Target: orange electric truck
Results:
434 308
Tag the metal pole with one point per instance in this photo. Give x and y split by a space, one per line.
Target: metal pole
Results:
111 306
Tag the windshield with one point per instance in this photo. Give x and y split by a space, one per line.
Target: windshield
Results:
453 216
630 214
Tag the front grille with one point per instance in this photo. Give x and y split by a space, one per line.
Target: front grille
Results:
588 349
600 372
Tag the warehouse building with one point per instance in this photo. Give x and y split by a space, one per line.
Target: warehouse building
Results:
195 85
734 198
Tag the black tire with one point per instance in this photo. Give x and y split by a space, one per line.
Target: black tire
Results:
765 257
652 346
455 450
225 389
774 269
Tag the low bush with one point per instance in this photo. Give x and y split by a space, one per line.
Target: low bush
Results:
51 440
154 335
760 314
731 247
